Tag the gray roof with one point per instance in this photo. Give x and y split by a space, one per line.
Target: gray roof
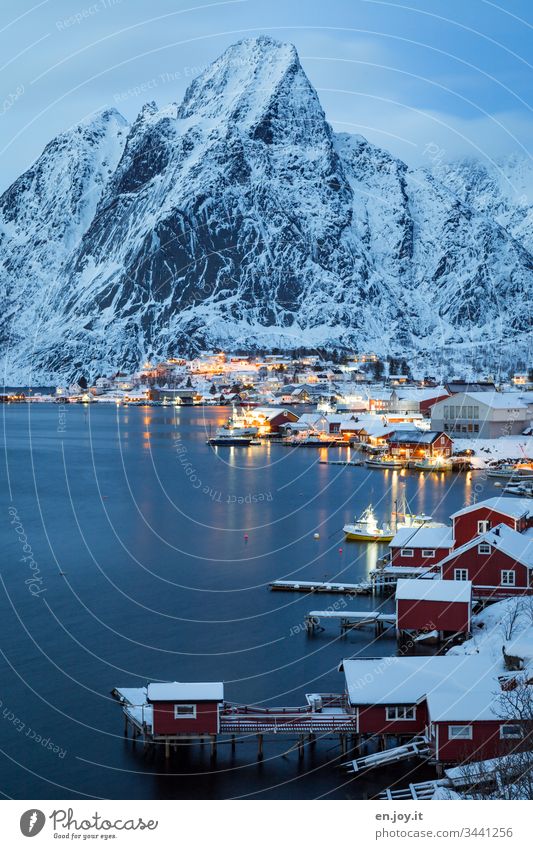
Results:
421 437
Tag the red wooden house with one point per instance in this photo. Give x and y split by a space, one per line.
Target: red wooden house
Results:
420 547
191 709
499 563
478 518
433 605
452 700
419 444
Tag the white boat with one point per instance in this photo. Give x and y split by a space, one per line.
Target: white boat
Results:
385 462
434 464
510 470
230 436
366 529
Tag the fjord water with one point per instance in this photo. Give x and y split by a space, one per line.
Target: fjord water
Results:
125 560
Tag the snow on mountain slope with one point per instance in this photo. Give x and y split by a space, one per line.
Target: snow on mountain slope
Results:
502 190
238 218
43 217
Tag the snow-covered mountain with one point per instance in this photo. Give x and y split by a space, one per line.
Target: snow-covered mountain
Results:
239 219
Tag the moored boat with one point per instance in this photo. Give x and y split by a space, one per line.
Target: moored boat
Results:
232 436
366 529
434 464
510 470
387 461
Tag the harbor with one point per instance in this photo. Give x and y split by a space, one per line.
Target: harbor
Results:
233 600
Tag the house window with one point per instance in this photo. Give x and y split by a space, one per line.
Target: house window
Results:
407 552
460 575
428 552
510 732
483 548
483 526
476 428
184 711
400 713
459 732
508 578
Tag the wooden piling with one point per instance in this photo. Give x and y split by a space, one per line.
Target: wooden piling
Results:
260 747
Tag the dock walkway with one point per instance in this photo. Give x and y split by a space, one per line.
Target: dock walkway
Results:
417 747
361 588
350 620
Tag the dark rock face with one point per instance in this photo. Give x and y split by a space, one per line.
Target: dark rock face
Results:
239 219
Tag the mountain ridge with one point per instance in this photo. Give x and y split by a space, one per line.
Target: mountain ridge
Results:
238 219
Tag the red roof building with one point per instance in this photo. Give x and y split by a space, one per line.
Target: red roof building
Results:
499 563
478 518
181 709
433 605
420 547
452 700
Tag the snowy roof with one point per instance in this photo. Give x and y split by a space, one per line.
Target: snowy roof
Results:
509 506
503 538
176 691
457 688
423 538
420 394
498 400
416 590
418 436
270 412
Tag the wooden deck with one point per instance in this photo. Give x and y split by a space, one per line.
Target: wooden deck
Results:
350 620
418 747
362 588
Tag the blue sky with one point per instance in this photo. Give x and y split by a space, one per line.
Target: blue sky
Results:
420 77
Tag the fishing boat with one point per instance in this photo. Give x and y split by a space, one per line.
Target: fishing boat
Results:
434 464
508 470
505 470
386 461
366 529
230 436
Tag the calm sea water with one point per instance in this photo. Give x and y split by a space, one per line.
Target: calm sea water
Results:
138 569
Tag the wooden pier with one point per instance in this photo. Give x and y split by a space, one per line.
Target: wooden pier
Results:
380 581
325 715
351 620
418 747
362 588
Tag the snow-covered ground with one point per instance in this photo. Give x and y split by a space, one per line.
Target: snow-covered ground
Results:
508 622
504 448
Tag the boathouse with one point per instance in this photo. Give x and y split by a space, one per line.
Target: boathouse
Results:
478 518
499 563
450 701
420 445
420 547
179 708
425 606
